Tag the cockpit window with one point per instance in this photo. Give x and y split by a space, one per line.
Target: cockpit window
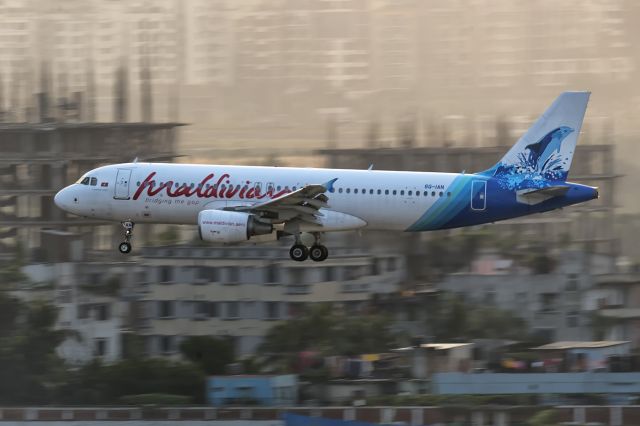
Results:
84 181
94 181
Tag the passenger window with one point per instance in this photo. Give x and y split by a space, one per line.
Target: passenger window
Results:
433 193
379 191
364 191
440 193
402 192
340 190
348 190
355 191
448 194
386 192
410 193
94 181
394 192
426 193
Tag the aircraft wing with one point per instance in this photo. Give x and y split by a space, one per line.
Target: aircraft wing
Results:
302 204
536 196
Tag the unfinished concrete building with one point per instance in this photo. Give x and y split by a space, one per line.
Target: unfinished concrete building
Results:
52 148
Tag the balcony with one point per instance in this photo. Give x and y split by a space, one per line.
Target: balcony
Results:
617 279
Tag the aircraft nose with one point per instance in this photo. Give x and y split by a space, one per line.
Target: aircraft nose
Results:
63 199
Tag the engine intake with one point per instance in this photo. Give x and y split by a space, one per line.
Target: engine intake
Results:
230 227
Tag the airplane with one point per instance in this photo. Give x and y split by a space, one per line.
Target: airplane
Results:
232 204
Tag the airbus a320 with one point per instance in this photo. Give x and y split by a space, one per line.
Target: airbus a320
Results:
233 204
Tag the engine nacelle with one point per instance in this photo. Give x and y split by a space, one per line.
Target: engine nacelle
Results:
230 227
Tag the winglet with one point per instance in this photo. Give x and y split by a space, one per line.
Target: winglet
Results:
370 167
329 185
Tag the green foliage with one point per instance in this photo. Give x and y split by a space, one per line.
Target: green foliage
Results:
330 333
456 319
29 366
212 354
155 399
107 384
544 418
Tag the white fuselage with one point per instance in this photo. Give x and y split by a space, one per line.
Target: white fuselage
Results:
176 193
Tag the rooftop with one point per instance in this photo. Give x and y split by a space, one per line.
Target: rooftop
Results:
46 127
559 346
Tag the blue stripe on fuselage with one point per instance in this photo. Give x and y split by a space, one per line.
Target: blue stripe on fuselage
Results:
501 203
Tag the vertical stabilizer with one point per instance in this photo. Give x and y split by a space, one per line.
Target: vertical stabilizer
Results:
545 151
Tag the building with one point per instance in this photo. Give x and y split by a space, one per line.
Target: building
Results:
618 306
558 305
241 292
92 303
270 391
38 159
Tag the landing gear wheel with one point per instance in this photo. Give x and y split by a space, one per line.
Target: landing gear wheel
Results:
318 253
124 247
299 253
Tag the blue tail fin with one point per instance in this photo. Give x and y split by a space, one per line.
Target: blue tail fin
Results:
545 151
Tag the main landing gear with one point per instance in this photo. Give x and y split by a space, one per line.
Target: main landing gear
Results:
125 246
317 252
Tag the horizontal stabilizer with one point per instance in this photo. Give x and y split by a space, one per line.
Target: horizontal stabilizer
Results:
533 196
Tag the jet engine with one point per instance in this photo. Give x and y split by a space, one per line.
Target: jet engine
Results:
230 227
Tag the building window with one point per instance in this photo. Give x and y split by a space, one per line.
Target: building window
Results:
212 310
572 319
271 274
102 312
165 274
272 310
99 347
233 310
329 273
572 282
83 311
548 302
234 275
200 309
209 274
166 309
166 344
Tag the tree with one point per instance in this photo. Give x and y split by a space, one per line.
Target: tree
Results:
29 366
323 330
457 319
210 353
95 383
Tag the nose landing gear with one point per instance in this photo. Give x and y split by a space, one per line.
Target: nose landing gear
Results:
125 246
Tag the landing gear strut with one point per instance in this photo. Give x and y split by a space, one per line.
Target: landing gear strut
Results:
125 246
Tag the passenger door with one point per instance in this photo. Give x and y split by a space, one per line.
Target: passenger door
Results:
122 184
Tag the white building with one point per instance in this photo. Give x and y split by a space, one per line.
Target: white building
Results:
87 295
241 292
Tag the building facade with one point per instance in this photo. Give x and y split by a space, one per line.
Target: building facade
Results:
241 292
559 305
